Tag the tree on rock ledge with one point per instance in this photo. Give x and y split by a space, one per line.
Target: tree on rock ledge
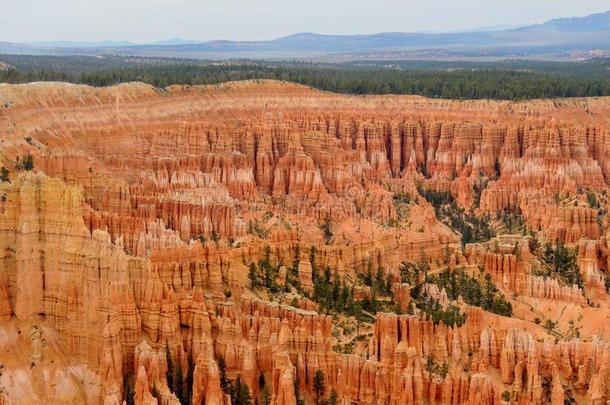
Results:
332 400
253 276
25 163
318 384
240 393
4 175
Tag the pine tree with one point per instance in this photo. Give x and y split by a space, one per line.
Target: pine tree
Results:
373 302
28 162
240 393
368 277
517 251
343 301
128 390
178 384
265 396
379 280
534 243
235 391
297 388
297 255
388 285
253 276
4 175
327 231
169 374
332 400
222 370
312 260
292 276
318 385
188 383
245 398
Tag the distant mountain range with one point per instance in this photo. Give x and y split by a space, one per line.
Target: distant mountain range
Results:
77 44
555 37
107 44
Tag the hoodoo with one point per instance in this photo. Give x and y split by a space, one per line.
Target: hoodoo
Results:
265 240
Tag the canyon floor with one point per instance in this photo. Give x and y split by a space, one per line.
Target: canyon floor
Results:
167 246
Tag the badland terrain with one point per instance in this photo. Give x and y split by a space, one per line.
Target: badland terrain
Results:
265 242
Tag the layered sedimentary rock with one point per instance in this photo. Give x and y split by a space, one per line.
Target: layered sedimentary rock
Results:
125 254
511 265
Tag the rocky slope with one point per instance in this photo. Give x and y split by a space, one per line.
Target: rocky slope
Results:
169 243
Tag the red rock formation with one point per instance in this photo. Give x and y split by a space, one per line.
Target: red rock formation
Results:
513 271
402 295
132 243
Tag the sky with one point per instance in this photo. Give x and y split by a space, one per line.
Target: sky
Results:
151 20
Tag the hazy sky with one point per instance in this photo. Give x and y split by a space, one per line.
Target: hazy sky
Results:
148 20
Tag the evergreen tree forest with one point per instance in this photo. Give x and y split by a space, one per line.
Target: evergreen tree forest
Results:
473 228
478 292
518 80
560 262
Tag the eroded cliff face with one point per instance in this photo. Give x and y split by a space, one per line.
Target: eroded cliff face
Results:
126 254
